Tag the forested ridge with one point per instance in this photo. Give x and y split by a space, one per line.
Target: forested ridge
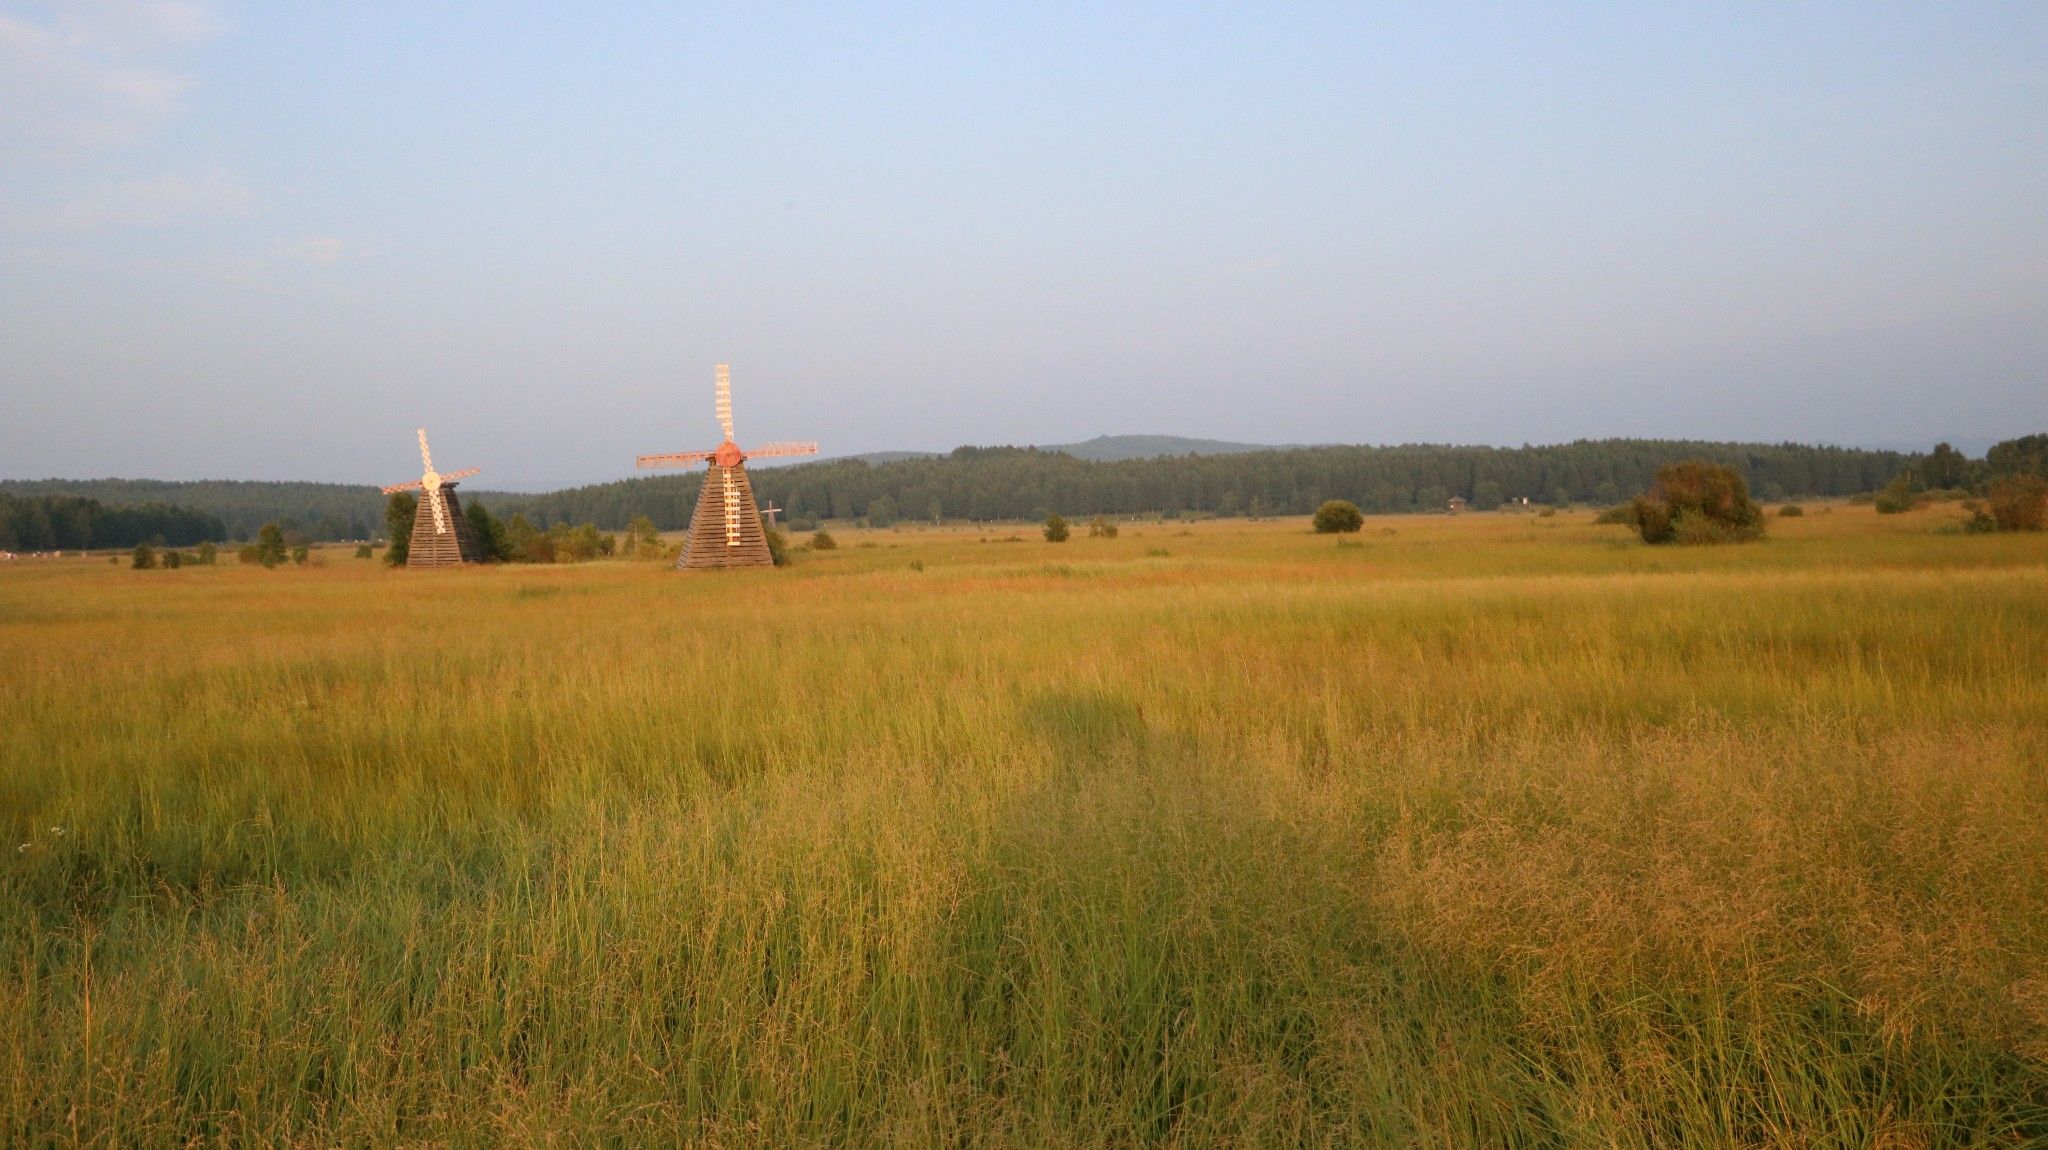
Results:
993 483
988 483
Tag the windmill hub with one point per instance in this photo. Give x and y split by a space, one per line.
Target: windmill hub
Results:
728 454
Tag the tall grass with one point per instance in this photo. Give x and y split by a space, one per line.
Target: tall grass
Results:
1494 831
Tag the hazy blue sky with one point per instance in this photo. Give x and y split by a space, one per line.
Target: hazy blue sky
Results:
267 240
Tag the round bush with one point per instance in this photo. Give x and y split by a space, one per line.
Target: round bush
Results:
1337 516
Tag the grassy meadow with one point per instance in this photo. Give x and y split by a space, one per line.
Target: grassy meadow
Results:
1492 830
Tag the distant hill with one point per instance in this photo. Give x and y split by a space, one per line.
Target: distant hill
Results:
1110 448
893 456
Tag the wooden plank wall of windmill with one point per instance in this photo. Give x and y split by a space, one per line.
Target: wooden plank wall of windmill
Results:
707 547
450 548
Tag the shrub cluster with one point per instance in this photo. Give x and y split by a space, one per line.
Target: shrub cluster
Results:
2019 503
269 550
146 557
1896 496
1696 502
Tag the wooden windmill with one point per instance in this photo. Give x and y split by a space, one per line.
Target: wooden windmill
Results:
726 530
440 532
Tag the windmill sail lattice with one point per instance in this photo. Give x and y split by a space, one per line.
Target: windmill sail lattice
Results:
440 532
725 530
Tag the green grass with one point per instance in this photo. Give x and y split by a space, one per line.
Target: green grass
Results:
1492 831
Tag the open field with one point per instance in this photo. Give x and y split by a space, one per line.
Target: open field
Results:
1487 831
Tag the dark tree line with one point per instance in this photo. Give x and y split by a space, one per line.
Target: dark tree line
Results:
70 523
986 483
321 512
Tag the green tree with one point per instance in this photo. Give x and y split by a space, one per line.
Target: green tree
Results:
935 511
270 548
1338 516
1486 495
528 543
2027 455
488 532
576 544
208 554
1697 502
642 540
173 559
882 512
823 541
1897 495
399 511
1946 468
1101 528
143 558
1055 527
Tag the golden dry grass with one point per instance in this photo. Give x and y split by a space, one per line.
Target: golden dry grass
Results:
1494 830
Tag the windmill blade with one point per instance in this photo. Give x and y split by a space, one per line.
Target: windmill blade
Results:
725 400
465 473
440 519
783 448
672 459
395 488
426 457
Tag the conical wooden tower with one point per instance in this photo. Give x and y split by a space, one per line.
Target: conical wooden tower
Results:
440 532
725 530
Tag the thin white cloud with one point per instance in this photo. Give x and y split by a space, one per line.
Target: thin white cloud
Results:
90 75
